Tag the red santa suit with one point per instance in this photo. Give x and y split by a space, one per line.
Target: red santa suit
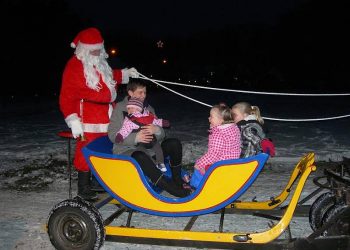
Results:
92 107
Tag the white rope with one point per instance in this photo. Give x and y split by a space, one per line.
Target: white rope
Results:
306 120
189 98
265 118
244 91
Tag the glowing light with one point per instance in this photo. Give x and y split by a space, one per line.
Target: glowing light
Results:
160 44
113 51
164 61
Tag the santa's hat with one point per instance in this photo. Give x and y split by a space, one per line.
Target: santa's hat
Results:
135 102
89 38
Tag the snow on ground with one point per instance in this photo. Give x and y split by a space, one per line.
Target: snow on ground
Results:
33 175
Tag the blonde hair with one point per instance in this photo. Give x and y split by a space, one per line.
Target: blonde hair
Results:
247 108
225 112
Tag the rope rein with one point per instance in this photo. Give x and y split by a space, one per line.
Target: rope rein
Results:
158 83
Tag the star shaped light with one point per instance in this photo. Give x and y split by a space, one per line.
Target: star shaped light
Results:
160 44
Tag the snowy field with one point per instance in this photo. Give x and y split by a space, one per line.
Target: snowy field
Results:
33 176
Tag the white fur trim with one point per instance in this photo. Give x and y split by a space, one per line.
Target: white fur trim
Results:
110 110
125 76
95 128
70 118
113 93
91 46
73 45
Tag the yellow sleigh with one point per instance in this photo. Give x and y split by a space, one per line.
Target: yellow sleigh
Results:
75 222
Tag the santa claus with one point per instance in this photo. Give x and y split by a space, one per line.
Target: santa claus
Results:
87 93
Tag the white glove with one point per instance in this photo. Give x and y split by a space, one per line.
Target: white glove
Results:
77 128
132 72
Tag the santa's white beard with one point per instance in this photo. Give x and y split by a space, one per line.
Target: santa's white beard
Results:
95 66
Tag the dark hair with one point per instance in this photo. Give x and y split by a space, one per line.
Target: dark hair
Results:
134 84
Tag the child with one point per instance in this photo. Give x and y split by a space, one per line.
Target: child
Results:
138 116
224 141
250 123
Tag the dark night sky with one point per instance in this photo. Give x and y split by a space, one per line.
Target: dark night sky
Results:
159 17
275 45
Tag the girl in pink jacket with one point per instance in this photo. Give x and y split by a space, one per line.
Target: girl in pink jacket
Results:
224 140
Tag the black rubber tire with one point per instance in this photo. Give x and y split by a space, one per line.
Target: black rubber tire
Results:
75 224
319 208
341 225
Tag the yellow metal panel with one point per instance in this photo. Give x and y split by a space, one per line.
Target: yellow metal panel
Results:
123 179
228 237
305 162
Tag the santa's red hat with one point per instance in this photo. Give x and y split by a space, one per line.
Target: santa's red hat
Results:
89 38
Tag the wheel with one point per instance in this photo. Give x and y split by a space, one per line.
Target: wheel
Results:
75 224
341 225
319 208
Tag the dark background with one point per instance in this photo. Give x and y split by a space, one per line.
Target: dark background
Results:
300 45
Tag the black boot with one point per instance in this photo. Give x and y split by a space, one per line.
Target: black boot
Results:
84 187
172 188
176 171
95 185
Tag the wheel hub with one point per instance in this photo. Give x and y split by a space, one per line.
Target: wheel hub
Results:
74 229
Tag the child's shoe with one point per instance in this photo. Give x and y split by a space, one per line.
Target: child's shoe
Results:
188 187
186 176
161 167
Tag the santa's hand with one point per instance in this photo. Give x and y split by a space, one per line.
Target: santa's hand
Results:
77 128
133 73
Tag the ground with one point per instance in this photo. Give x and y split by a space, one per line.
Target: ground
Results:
24 211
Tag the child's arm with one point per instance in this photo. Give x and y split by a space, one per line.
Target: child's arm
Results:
125 130
215 145
161 123
250 134
200 169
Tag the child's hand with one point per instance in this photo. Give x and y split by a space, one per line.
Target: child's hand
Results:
119 138
201 170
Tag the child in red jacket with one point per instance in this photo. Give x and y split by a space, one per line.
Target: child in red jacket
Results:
136 118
